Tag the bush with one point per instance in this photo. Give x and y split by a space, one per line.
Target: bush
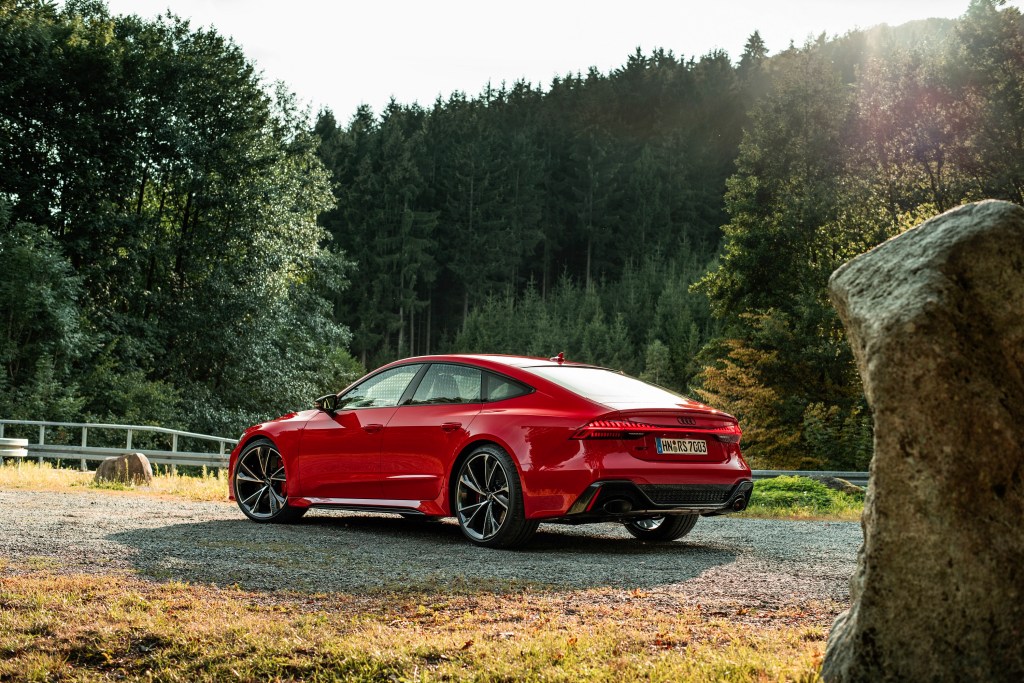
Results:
801 496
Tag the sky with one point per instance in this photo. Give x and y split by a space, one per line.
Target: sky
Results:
342 54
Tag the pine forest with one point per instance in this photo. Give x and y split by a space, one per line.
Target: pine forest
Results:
183 245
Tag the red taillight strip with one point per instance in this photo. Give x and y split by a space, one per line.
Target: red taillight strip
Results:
728 432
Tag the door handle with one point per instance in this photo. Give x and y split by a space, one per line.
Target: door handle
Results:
451 426
372 428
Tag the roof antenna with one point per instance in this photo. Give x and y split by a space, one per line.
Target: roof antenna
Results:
560 358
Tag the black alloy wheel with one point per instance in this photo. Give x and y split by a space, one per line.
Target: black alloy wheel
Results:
489 500
260 484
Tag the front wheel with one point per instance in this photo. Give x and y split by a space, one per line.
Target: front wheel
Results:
260 484
489 500
662 529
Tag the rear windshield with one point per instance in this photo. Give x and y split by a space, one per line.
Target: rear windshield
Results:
602 385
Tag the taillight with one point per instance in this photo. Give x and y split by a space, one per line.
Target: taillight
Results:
728 432
613 429
724 432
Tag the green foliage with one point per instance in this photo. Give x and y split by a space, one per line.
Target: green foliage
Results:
40 323
838 439
178 273
800 495
185 247
479 199
787 492
114 394
657 363
852 142
609 323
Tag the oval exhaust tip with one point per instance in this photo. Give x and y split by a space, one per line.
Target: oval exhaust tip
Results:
739 504
618 507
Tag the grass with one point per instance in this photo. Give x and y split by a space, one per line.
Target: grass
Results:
30 475
802 498
95 628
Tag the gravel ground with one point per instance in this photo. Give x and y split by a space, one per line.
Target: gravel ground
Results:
723 563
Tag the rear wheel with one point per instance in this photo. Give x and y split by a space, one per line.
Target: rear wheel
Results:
662 529
260 484
489 500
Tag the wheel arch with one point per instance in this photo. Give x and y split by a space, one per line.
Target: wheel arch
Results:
242 444
275 440
464 453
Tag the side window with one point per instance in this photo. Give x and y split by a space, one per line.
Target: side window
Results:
448 384
382 390
499 388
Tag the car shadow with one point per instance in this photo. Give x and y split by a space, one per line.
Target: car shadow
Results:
333 552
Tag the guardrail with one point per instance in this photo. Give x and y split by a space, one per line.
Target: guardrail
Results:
858 478
83 452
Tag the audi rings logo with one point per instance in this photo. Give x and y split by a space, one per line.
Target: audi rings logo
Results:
688 421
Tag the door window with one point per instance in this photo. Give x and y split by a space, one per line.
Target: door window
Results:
448 384
383 390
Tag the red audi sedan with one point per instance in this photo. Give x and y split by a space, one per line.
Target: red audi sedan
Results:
502 443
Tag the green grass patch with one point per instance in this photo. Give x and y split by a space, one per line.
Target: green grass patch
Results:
802 497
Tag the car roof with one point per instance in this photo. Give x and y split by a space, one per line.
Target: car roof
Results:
513 361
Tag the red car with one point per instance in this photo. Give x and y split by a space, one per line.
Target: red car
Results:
502 443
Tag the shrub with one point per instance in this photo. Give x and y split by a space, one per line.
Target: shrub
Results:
801 496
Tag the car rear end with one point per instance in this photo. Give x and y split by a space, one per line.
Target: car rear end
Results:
685 461
646 451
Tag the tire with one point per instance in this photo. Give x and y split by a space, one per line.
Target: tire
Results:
488 500
260 484
662 529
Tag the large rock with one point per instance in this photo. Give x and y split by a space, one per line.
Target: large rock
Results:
936 320
130 468
841 485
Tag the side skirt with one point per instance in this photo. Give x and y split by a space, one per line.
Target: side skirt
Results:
402 507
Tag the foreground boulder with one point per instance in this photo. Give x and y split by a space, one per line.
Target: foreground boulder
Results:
130 468
936 321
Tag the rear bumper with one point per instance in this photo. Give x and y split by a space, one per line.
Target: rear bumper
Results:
615 500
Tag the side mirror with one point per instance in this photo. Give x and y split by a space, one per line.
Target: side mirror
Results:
328 403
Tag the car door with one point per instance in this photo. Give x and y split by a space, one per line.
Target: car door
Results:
340 452
421 438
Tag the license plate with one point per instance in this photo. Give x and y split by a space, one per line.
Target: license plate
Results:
682 446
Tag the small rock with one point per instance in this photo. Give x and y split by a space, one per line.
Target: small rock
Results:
130 468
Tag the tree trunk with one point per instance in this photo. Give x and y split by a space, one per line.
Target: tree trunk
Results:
590 241
401 330
426 348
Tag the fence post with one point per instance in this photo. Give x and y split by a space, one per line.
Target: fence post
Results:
174 449
42 440
85 444
2 430
129 446
220 470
